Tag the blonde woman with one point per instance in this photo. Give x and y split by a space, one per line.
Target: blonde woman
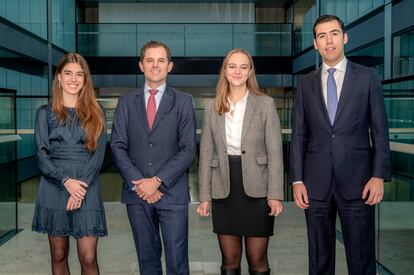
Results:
70 147
241 165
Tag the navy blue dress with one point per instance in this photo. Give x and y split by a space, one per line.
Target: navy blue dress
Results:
60 154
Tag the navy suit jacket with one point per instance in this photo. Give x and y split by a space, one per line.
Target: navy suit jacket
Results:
354 149
166 150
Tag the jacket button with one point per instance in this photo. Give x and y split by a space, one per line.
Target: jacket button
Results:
149 163
243 152
150 145
332 136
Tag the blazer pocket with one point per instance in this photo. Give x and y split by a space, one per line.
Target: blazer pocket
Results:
214 163
262 160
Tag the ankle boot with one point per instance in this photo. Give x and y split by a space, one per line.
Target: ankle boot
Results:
252 272
234 271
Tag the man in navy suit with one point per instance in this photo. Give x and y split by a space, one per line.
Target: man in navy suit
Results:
340 153
153 144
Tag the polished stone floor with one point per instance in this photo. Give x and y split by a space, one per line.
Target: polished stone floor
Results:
28 252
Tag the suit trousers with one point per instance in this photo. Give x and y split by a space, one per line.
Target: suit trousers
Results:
146 221
358 231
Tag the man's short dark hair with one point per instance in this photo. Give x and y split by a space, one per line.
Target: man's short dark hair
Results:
155 44
327 18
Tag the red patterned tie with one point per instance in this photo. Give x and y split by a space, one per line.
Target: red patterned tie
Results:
151 108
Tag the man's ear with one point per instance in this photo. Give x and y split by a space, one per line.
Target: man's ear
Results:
141 67
315 45
170 66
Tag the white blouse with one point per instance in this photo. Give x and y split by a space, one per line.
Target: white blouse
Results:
234 125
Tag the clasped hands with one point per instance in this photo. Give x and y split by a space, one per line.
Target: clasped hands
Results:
147 189
77 191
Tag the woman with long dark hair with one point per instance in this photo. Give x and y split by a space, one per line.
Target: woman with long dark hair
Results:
70 147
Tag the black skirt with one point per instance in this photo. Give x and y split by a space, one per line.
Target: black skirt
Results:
239 214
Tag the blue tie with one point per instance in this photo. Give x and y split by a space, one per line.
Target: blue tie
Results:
332 97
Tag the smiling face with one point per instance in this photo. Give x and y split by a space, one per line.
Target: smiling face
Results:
330 41
72 79
155 66
238 70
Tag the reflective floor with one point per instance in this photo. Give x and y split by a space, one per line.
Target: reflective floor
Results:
28 252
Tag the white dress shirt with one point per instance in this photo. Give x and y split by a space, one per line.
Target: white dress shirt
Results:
157 96
339 75
234 125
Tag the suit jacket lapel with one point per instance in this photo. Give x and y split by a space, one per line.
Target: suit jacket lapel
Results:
349 79
251 102
317 86
221 121
141 109
167 102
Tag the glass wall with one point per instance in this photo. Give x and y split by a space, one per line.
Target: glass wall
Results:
349 10
64 24
403 54
185 39
8 186
306 13
32 16
29 79
370 56
396 218
28 14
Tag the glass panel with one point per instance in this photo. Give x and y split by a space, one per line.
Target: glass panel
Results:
305 15
399 100
396 219
108 39
263 39
8 195
64 24
185 39
218 37
349 10
403 53
371 56
28 14
172 34
29 79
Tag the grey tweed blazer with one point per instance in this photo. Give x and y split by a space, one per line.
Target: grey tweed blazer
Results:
261 145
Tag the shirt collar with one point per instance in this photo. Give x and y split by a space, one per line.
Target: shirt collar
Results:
160 89
244 99
341 66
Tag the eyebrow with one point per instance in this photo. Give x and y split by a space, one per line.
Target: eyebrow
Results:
244 64
334 30
69 71
151 58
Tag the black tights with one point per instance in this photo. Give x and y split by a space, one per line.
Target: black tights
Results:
59 251
256 252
